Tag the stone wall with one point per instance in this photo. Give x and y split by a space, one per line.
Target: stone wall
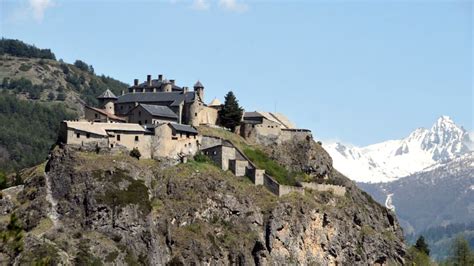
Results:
238 167
288 134
209 141
336 190
256 175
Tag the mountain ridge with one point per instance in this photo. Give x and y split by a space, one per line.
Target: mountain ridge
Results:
390 160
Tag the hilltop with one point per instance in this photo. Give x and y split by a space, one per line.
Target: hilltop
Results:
37 92
83 207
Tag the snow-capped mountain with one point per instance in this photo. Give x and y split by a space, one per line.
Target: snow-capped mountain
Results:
390 160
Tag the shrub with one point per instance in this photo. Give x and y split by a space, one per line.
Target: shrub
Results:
201 158
135 153
25 67
51 96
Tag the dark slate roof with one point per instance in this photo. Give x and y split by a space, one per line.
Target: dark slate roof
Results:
158 110
148 97
198 85
156 83
183 128
252 114
107 94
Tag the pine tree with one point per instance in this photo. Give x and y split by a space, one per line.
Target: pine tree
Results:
461 253
231 114
422 246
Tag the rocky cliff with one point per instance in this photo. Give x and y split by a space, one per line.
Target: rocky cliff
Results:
85 208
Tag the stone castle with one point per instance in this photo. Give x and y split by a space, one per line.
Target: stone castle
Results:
159 118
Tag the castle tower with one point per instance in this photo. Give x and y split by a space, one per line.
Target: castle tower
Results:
199 90
107 101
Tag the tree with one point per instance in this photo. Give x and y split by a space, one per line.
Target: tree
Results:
81 65
422 246
61 96
231 114
461 253
416 257
3 181
51 96
135 153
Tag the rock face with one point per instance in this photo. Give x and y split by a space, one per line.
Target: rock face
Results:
113 209
303 155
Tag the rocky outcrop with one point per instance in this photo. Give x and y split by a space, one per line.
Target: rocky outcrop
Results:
115 209
303 155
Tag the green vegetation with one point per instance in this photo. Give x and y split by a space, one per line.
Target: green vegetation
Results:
135 153
24 85
201 158
84 66
460 253
27 131
21 49
12 238
231 113
3 181
136 192
422 246
271 167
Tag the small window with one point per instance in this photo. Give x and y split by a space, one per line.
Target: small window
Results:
146 122
174 138
185 145
78 135
195 114
118 137
136 138
111 145
187 135
180 135
96 116
139 122
88 135
194 136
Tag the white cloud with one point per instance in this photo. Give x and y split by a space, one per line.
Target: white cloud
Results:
201 5
38 8
233 5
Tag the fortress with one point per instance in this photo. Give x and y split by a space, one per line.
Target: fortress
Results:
159 118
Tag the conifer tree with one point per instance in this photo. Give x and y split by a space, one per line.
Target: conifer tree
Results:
231 114
422 246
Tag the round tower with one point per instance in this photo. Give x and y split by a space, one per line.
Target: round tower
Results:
107 101
199 90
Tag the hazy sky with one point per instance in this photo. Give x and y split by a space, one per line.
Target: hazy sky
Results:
356 71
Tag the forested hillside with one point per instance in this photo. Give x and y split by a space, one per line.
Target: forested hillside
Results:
36 93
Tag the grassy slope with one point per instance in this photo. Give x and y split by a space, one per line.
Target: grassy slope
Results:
29 126
255 153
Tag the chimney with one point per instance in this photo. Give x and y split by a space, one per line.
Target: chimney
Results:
160 77
135 82
148 80
172 81
154 89
185 90
123 92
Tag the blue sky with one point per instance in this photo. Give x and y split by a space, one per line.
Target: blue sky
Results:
356 71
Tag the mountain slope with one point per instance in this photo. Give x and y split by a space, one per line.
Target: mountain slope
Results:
435 198
390 160
116 209
36 93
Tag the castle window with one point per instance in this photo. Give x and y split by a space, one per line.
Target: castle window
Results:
174 138
118 137
78 135
96 115
194 136
195 114
187 135
88 135
136 138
